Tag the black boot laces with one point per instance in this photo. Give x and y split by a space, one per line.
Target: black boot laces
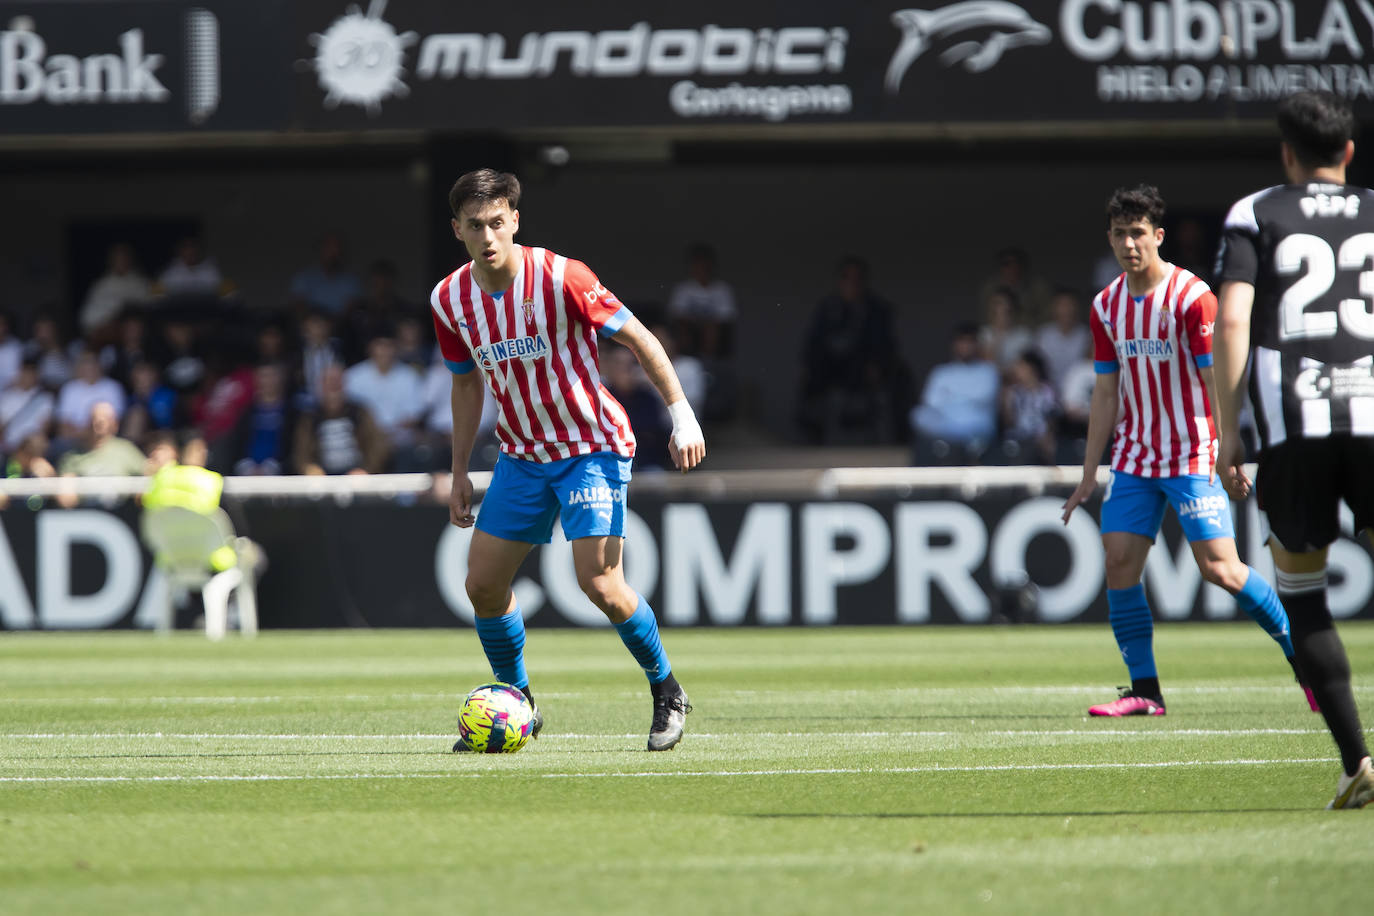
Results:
665 706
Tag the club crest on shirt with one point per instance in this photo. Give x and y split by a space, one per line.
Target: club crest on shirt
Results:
529 310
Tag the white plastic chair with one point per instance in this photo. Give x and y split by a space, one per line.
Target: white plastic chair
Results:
182 543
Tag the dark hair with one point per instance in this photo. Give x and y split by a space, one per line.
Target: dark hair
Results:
162 437
1316 126
853 262
966 329
485 186
700 251
385 267
1007 293
1036 362
1130 204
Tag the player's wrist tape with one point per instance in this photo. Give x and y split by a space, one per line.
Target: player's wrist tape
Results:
686 429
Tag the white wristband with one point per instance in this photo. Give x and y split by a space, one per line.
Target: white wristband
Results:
686 429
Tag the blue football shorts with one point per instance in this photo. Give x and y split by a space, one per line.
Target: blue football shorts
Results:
1136 505
524 498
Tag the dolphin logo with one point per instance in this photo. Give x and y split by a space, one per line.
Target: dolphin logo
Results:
1011 27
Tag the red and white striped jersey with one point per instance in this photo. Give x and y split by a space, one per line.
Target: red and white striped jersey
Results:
535 345
1159 342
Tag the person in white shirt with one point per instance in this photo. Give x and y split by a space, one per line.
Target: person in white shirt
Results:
76 398
1003 337
11 352
957 417
191 273
122 284
25 408
392 392
1063 340
703 306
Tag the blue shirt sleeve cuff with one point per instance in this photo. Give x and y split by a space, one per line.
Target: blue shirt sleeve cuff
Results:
616 321
462 368
1203 360
1106 367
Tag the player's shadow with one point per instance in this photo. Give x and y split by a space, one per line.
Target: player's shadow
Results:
934 815
911 717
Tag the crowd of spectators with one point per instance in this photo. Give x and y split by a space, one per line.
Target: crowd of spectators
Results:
344 377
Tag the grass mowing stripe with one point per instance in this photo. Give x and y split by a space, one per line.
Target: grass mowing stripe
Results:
936 692
659 774
1006 733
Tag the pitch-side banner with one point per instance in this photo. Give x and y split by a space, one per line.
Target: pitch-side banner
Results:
186 65
75 66
945 559
442 65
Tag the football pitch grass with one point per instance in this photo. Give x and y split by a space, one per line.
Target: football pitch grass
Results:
824 771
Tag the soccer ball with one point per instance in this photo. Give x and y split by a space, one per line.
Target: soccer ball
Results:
496 719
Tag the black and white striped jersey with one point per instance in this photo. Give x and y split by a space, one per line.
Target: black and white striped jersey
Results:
1309 252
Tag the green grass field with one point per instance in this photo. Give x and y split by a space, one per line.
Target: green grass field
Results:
824 771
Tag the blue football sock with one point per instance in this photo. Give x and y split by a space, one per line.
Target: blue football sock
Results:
1134 629
1258 599
640 636
503 640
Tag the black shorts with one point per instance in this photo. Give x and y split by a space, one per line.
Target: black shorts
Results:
1301 482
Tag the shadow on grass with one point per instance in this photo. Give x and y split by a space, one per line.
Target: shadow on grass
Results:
930 815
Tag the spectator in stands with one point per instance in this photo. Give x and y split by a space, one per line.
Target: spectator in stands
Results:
1013 272
339 435
130 347
380 306
89 387
225 395
26 408
702 307
850 362
1003 337
262 439
1190 248
152 405
1029 408
27 459
162 451
122 285
328 283
319 351
956 419
1075 404
191 273
691 374
1062 341
271 348
413 346
47 349
437 434
393 393
105 453
11 351
182 365
625 380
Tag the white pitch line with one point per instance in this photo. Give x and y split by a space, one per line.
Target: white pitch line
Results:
415 736
655 774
